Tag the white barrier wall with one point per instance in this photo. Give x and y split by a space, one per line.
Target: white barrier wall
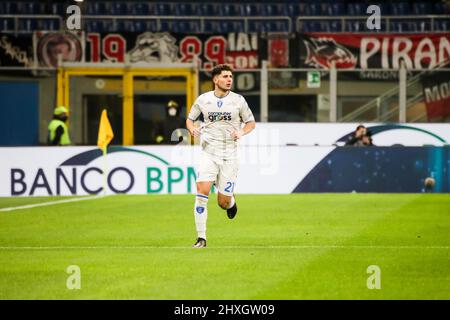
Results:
327 134
267 164
141 170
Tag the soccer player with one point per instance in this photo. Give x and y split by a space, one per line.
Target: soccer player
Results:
223 112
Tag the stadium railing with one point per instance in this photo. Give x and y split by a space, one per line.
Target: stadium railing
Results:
30 23
407 83
355 24
202 24
110 23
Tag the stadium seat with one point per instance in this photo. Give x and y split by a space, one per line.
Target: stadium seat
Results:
282 26
163 9
293 10
400 8
11 8
262 26
144 26
187 26
230 26
213 26
27 25
334 9
419 26
195 26
123 26
58 9
420 8
142 9
273 9
356 9
440 8
48 24
333 25
7 24
31 8
119 8
166 26
354 26
99 26
384 8
140 26
250 10
313 9
399 26
312 26
206 9
91 26
183 9
108 26
148 25
96 8
236 26
230 9
178 26
442 25
225 26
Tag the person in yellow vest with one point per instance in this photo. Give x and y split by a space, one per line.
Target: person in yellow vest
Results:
58 132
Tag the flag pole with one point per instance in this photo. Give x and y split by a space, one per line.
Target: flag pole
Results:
105 169
105 135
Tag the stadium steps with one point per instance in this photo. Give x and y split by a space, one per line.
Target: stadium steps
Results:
388 95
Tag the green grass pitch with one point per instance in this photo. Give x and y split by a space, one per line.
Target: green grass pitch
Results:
299 246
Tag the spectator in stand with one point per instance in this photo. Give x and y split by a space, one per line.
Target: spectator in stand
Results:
355 139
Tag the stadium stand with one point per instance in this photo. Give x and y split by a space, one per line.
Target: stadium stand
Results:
207 17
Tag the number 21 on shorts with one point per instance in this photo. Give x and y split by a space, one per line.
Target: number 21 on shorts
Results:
229 187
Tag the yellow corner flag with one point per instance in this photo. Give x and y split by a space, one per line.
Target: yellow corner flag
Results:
105 133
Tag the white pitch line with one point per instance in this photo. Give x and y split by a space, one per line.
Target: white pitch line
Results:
218 247
42 204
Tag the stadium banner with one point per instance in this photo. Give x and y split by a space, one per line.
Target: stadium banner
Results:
242 50
50 171
436 90
16 50
366 51
48 45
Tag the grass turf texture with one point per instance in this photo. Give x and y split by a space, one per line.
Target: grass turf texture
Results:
299 246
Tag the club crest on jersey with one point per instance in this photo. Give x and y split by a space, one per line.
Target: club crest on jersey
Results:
200 210
219 103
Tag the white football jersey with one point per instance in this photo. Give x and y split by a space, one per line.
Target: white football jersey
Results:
221 116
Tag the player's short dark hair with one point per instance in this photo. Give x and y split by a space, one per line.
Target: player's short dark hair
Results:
359 127
219 68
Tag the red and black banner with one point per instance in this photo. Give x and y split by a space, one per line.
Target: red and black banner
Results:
238 49
369 51
242 50
436 92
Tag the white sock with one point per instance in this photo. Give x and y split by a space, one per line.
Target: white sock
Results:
232 202
201 214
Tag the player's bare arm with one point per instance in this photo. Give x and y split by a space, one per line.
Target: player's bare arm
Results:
193 130
247 128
